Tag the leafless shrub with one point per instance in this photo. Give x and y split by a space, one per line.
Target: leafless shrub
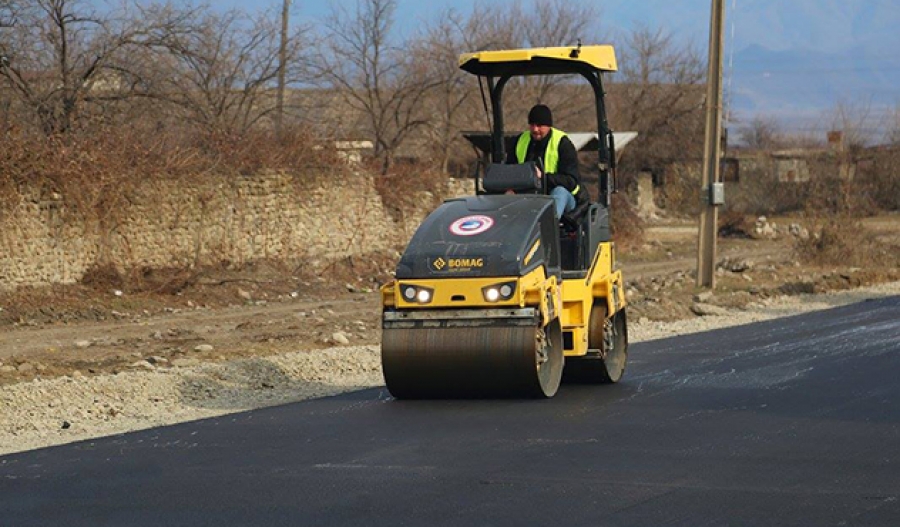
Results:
402 190
762 133
878 178
878 169
103 277
854 122
835 202
762 193
843 241
259 150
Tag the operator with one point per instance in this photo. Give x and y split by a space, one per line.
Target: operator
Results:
557 155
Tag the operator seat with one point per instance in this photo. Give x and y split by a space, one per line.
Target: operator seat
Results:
579 229
521 179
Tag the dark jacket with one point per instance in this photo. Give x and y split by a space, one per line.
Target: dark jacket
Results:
567 167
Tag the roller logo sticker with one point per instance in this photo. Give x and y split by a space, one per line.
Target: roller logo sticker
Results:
458 265
471 225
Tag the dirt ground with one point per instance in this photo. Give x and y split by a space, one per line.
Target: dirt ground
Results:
160 319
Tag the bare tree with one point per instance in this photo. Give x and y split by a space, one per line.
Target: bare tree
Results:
8 10
453 97
454 100
223 75
855 122
538 23
548 23
660 96
61 55
762 133
558 23
893 126
438 50
381 81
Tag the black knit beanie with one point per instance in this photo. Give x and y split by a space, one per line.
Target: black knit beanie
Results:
540 114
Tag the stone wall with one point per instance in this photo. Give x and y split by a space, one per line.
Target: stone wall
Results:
168 223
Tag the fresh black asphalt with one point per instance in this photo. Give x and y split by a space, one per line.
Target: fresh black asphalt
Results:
789 422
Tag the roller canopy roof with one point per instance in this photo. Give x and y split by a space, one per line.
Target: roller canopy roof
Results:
540 61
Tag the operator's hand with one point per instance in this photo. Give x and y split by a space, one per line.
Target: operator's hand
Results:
538 172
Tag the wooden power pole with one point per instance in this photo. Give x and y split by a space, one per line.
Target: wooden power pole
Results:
282 64
711 190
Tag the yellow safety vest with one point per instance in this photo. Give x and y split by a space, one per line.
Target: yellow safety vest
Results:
551 156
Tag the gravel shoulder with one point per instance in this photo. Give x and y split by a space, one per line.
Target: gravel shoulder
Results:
50 411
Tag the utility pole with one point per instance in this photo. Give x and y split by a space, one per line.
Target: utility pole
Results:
282 60
711 190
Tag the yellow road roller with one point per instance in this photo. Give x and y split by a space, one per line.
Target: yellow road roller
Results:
494 295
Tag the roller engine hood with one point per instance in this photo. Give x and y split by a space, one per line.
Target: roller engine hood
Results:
482 236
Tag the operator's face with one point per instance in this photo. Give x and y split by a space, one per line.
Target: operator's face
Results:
538 131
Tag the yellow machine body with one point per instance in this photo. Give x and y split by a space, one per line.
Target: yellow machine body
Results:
494 295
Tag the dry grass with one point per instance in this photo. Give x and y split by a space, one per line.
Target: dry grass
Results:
91 177
833 208
94 175
843 241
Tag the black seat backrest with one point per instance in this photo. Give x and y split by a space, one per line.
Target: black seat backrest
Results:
573 219
498 178
599 224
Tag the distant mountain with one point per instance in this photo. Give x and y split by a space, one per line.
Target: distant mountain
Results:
792 59
800 86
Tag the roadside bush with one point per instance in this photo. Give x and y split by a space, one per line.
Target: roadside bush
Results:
844 241
92 179
409 189
94 173
680 193
627 227
880 180
760 193
733 224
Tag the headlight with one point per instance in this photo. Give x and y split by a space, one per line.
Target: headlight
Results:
498 292
421 295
